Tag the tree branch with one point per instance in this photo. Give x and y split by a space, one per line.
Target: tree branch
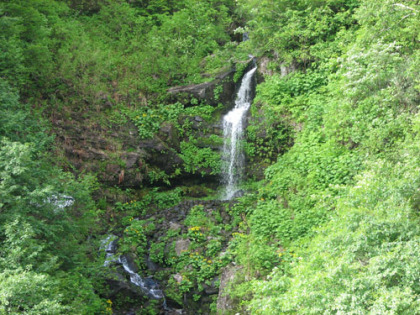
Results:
405 7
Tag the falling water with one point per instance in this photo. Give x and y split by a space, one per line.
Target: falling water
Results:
148 286
233 129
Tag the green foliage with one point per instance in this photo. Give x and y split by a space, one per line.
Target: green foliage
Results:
267 136
335 223
134 239
169 47
337 206
133 207
202 261
17 123
372 242
25 190
28 35
253 255
284 94
202 269
203 160
239 71
198 219
45 215
377 119
115 51
29 292
298 31
164 199
149 120
151 201
157 253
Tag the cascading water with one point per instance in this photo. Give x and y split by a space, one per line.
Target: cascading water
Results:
149 286
233 129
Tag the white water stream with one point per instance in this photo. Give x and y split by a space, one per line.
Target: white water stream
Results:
233 130
149 286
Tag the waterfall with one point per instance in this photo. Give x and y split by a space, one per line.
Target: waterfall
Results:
233 129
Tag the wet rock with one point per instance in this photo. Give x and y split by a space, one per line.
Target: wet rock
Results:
151 284
151 265
225 217
196 191
110 244
113 169
129 262
197 126
154 144
98 154
287 68
238 193
118 283
159 154
92 147
263 66
174 312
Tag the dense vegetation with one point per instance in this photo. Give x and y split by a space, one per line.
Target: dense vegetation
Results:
332 228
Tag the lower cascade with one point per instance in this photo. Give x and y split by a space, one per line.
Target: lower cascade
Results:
233 132
148 286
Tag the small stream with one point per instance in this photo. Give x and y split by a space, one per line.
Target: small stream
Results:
147 285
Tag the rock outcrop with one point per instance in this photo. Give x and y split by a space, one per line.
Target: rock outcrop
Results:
225 305
219 90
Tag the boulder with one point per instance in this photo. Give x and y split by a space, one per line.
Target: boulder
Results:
207 91
169 134
225 304
212 288
159 154
174 226
181 245
151 265
287 68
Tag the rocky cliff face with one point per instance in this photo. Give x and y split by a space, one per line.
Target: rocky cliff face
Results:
111 152
116 154
220 90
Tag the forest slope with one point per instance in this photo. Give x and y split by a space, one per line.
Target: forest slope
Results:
333 227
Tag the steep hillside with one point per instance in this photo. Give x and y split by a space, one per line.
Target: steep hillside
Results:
334 227
110 157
